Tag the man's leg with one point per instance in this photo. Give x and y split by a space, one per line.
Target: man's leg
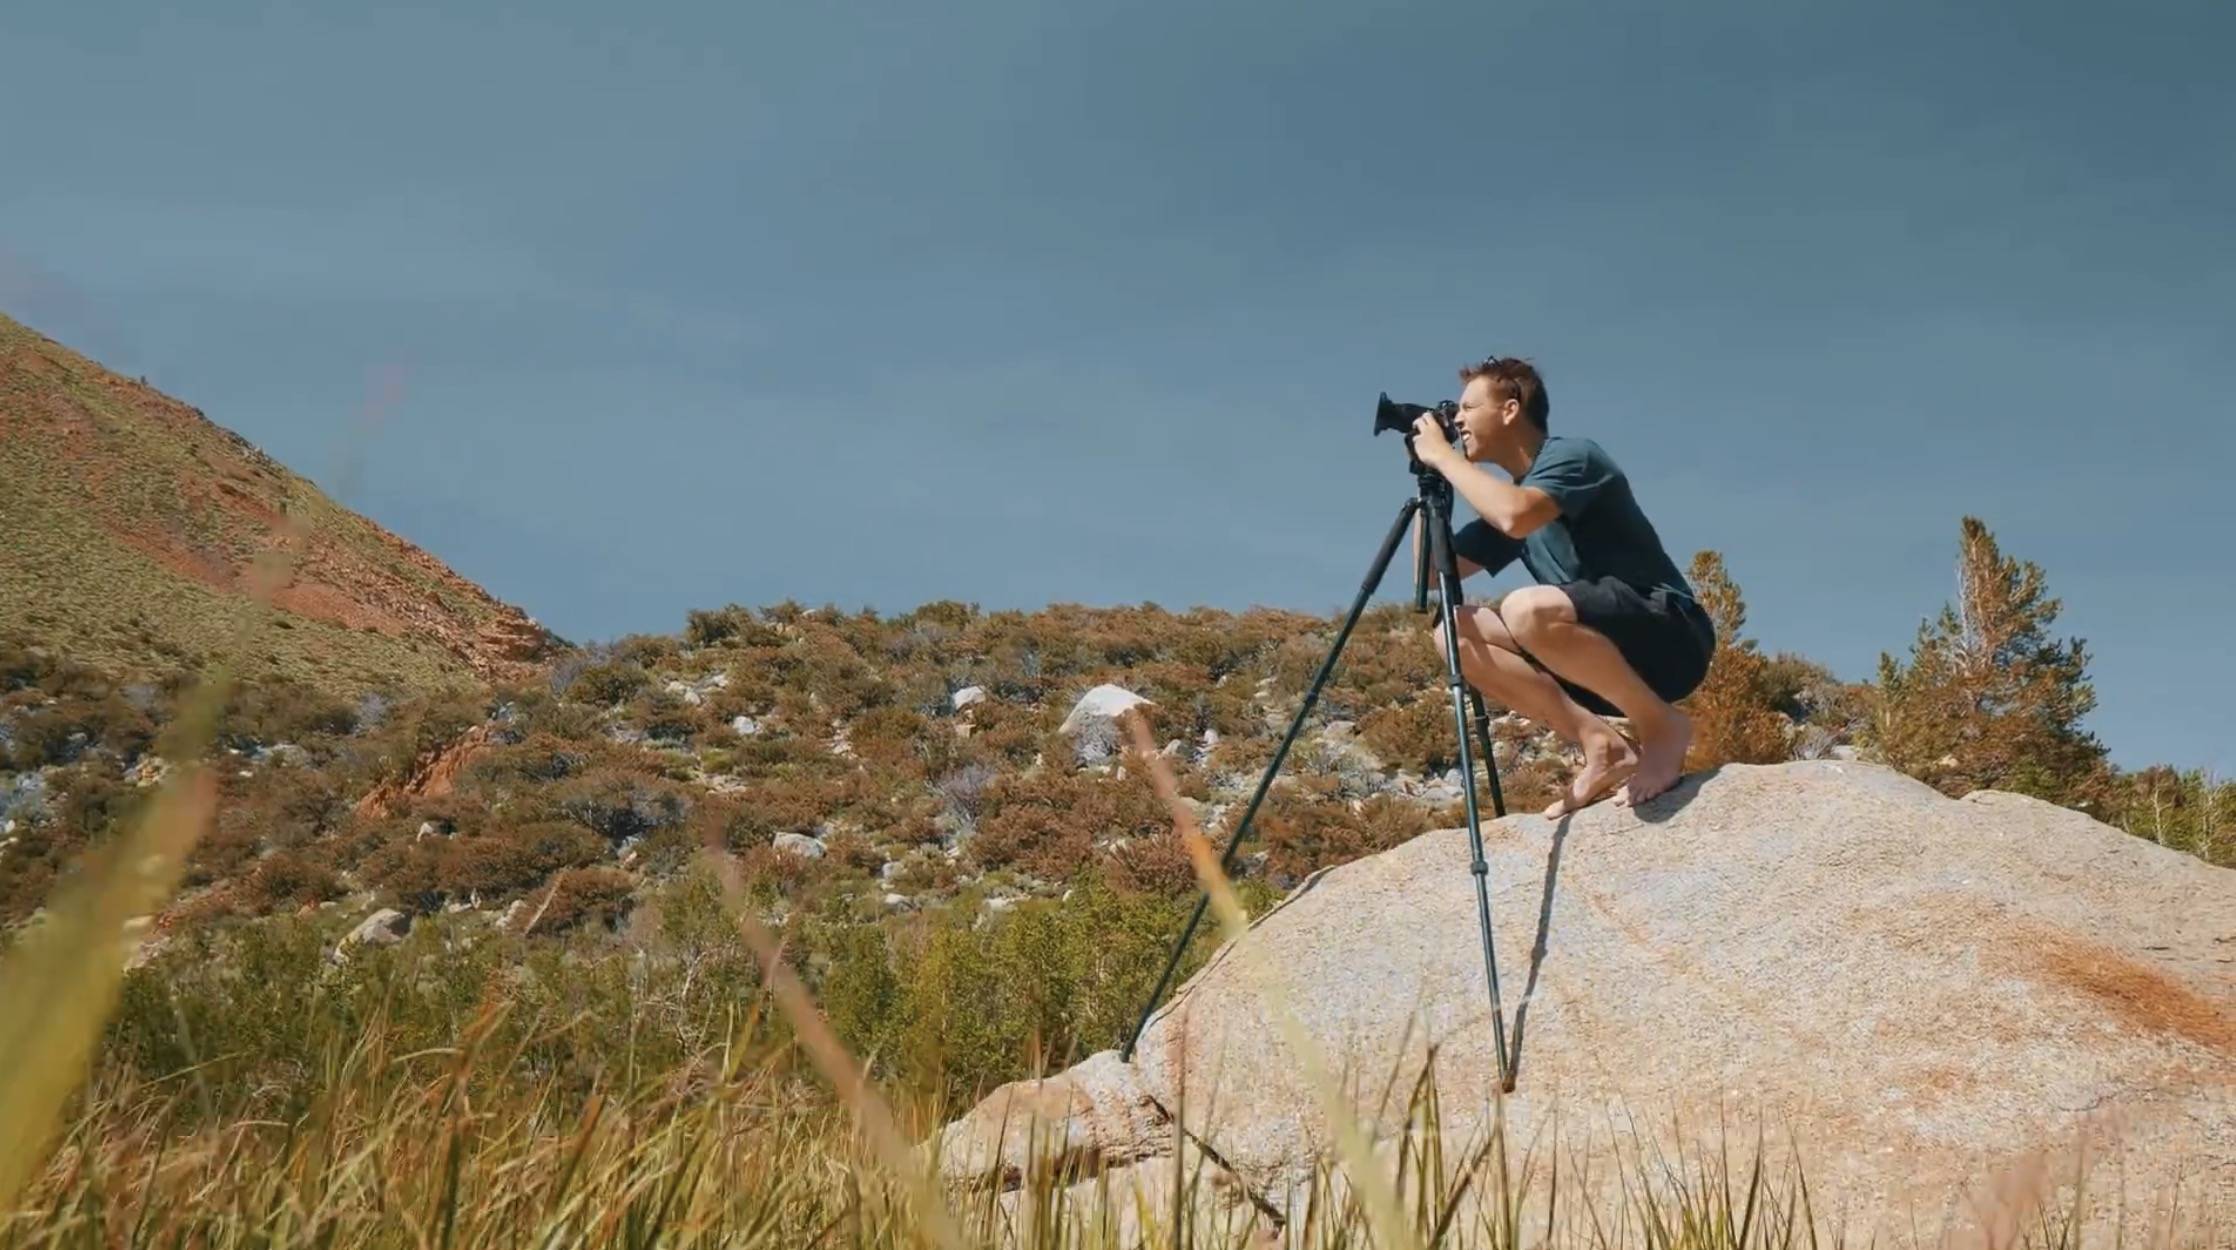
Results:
1492 662
1543 619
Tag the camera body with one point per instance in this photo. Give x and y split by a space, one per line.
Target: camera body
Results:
1392 415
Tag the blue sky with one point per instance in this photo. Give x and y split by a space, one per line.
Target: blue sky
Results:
673 305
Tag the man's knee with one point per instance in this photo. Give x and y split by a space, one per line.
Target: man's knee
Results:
1477 625
1529 612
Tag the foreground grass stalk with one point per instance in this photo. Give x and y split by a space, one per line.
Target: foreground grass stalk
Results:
61 981
1391 1230
838 1066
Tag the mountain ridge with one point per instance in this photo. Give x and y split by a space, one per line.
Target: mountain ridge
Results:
133 522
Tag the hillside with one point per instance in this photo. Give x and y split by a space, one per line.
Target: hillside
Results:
130 522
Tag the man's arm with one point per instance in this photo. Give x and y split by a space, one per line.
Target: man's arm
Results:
1515 511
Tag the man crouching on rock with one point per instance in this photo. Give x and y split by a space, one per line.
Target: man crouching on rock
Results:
1612 618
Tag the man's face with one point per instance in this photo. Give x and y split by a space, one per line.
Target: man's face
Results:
1484 419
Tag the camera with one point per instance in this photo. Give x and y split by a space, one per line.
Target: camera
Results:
1391 415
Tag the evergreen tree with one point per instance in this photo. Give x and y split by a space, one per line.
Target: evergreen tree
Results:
1987 699
1734 712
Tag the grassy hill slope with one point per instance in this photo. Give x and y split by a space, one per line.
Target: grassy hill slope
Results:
130 522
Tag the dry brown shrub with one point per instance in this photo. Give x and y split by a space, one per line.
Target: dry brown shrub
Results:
1048 824
780 872
513 858
1305 827
286 880
893 737
1417 733
584 896
852 850
1153 865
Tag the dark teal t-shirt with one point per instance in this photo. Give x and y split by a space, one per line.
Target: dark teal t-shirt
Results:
1600 532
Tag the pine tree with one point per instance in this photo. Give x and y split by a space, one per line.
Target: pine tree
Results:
1735 719
1987 698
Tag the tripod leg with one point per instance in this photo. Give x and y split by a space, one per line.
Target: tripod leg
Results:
1440 536
1296 724
1490 753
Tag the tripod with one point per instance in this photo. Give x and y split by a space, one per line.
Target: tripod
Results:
1434 501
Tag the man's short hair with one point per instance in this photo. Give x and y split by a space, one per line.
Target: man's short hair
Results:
1513 378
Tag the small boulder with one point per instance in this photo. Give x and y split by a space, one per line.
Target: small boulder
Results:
1094 722
744 726
800 844
966 696
283 753
385 927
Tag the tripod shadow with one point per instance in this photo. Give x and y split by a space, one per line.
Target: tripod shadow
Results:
1659 808
1537 948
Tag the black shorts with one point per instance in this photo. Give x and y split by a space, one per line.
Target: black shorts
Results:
1667 638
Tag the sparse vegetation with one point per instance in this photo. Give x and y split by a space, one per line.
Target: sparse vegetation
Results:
573 1043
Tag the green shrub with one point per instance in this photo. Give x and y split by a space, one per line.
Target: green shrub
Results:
607 684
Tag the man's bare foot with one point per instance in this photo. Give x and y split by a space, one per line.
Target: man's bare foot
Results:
1661 758
1607 761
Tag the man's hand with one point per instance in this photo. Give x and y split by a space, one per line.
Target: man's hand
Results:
1429 443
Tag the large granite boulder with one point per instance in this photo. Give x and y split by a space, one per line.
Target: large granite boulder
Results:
1929 1004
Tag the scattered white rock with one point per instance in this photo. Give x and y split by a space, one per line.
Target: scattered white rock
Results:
800 844
426 831
966 696
1001 904
512 913
898 901
889 873
1093 722
695 692
745 726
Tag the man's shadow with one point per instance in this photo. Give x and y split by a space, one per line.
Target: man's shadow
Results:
1655 810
